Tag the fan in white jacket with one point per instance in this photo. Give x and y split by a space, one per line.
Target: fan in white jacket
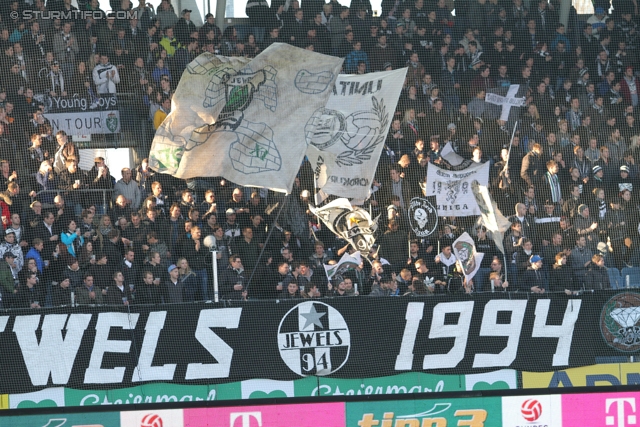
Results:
105 76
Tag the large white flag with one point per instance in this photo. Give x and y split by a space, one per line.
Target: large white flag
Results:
452 189
345 137
241 119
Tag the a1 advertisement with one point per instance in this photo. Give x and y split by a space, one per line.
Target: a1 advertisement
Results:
305 415
601 409
532 411
160 418
476 412
93 419
609 374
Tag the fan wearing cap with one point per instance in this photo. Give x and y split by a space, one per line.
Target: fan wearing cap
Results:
231 226
535 278
624 182
597 181
185 27
598 20
174 288
11 245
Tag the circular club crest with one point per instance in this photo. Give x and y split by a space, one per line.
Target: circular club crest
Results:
325 128
313 339
619 322
423 217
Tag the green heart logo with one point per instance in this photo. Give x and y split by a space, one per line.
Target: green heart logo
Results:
27 404
498 385
262 395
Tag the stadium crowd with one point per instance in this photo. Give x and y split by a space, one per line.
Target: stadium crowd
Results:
567 178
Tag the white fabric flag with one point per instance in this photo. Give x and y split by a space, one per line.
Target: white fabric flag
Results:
347 262
241 119
491 217
507 101
451 156
453 191
352 224
465 251
345 137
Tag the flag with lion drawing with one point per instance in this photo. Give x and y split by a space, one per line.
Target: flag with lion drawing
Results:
345 137
243 119
465 251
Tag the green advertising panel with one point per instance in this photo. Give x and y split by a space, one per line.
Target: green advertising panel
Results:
411 382
150 393
95 419
476 412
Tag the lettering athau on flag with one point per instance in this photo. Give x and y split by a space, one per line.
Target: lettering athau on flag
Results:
345 138
241 119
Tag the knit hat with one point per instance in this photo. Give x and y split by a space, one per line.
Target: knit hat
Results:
624 168
596 169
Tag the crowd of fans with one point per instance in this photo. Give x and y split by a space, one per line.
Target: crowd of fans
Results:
567 177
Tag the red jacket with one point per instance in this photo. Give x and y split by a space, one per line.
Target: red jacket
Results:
625 92
5 210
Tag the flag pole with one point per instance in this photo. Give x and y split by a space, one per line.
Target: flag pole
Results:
513 134
271 228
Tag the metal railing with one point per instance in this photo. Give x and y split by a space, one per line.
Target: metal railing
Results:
105 200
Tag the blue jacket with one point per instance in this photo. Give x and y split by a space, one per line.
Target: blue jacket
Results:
352 59
34 254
